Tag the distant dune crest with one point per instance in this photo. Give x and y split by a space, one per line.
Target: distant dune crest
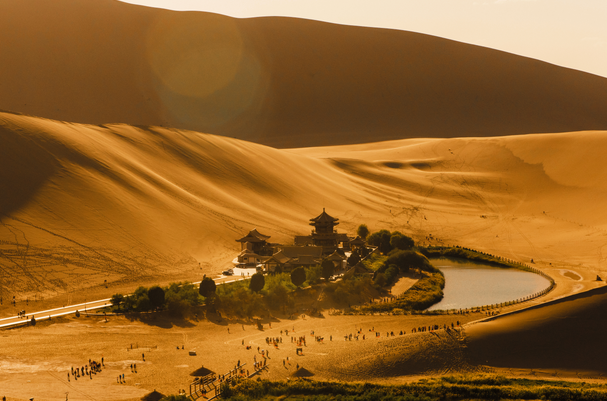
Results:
282 82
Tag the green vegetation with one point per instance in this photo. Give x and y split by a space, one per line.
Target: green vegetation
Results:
354 259
207 287
426 292
400 241
355 290
385 241
465 253
298 276
178 298
156 296
181 299
328 269
398 262
362 231
477 387
375 261
238 300
313 275
257 282
381 239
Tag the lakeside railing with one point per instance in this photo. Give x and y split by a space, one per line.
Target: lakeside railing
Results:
499 260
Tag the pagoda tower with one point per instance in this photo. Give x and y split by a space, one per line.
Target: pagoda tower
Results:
324 233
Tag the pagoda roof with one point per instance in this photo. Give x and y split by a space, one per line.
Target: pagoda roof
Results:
298 251
247 252
336 256
278 257
254 236
307 260
324 218
357 241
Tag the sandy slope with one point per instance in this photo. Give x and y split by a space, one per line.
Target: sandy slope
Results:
564 335
138 205
278 81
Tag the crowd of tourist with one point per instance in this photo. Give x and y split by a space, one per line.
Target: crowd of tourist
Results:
89 370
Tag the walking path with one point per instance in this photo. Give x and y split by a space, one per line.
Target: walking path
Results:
83 307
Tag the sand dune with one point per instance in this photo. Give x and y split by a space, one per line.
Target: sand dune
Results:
135 205
278 81
563 335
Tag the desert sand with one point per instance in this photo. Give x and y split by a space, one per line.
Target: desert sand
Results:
278 81
124 205
94 210
107 182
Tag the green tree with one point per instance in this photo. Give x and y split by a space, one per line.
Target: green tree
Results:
257 282
313 274
406 260
140 300
380 280
353 259
328 269
362 231
298 276
181 298
400 241
117 299
207 287
381 239
156 296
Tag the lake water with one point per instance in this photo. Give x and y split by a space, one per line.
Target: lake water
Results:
469 284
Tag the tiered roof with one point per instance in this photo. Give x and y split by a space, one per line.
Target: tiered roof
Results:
254 236
335 256
278 257
357 241
324 218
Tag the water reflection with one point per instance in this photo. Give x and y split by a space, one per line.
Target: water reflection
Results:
469 284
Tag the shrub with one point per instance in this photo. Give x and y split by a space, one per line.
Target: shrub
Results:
362 231
328 269
257 282
207 287
156 297
181 298
117 299
354 259
381 239
313 274
400 241
406 260
298 276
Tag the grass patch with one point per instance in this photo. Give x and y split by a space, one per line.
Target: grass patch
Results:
375 261
476 387
423 294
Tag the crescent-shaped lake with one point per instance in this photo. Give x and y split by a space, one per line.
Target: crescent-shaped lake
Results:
469 284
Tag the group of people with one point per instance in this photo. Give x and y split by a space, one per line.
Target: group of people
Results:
273 340
434 327
299 340
89 370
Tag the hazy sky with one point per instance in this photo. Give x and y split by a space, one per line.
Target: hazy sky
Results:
570 33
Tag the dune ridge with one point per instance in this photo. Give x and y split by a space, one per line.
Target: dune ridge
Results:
132 204
283 82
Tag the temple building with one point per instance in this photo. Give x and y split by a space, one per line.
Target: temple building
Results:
324 242
255 249
256 242
324 234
